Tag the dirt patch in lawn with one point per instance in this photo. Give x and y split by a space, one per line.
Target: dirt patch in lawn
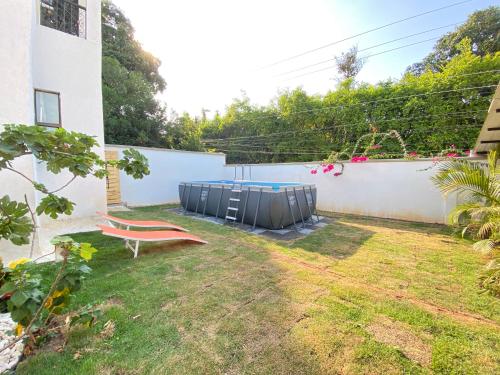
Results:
110 303
396 334
108 370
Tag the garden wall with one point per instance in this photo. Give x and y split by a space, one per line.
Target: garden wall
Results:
168 169
396 189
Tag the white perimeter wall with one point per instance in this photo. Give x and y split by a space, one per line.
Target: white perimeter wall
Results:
168 169
395 189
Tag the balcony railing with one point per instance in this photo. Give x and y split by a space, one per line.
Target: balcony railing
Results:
64 15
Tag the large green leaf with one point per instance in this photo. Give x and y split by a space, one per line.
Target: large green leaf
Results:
15 223
19 298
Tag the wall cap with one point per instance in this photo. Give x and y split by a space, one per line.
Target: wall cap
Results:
349 162
110 147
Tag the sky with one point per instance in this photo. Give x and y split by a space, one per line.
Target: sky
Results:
213 50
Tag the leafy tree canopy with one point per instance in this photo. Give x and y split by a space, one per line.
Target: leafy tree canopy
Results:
132 115
184 132
349 64
118 41
482 28
431 111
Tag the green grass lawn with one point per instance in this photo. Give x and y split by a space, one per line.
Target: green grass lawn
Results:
359 296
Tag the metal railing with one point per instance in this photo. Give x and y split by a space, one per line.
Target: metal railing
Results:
64 15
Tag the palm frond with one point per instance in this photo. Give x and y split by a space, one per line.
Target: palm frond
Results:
491 211
467 177
478 182
492 163
487 229
459 211
484 246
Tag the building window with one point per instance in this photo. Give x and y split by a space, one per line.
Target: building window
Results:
47 108
68 16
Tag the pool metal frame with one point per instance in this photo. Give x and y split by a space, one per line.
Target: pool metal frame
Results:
311 208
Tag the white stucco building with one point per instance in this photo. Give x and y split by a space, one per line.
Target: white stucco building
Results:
50 75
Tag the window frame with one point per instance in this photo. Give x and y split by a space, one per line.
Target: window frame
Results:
80 7
50 125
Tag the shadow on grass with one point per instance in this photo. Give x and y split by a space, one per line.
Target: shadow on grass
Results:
403 225
114 250
336 240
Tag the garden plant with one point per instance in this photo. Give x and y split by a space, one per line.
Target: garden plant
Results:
479 216
30 291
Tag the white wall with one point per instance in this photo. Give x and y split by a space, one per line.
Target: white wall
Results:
16 99
391 189
71 65
396 189
168 169
34 56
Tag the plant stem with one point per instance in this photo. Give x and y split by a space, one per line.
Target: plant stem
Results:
33 219
62 187
43 256
27 331
20 174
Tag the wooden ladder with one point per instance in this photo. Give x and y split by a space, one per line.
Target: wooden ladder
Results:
234 203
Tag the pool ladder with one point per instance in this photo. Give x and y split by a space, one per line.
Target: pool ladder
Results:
234 203
293 200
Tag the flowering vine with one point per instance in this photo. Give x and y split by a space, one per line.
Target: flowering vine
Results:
449 153
338 158
335 162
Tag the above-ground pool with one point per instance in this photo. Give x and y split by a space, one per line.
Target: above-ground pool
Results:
272 205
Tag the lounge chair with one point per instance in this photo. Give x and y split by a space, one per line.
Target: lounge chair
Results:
149 236
113 220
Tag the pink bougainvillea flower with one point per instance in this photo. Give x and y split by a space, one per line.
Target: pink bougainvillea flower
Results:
359 159
314 171
326 170
336 174
452 155
330 167
413 153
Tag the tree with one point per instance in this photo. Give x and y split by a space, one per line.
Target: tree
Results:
131 81
478 183
349 64
183 132
132 115
431 111
481 27
28 292
118 41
